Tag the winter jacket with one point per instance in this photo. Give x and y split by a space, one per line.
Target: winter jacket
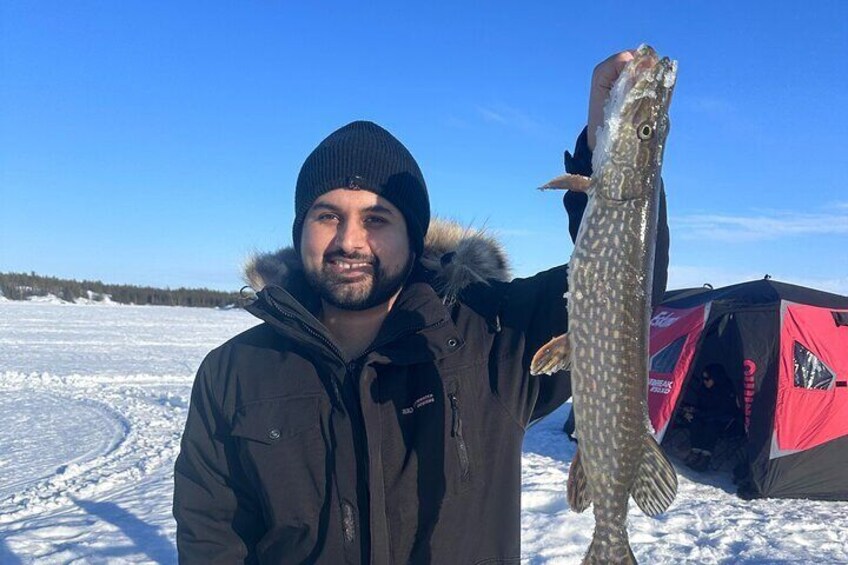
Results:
718 404
410 453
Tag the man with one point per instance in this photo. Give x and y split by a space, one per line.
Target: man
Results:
377 416
716 411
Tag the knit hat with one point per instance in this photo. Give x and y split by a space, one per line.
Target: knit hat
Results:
362 155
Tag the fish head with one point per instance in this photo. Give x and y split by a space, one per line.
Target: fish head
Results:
629 150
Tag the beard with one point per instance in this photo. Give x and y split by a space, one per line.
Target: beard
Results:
371 289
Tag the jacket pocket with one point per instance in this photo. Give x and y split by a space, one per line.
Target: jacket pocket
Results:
283 449
276 419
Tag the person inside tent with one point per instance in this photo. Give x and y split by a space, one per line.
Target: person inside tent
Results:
714 412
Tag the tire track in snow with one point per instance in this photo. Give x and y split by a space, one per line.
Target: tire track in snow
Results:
49 433
134 426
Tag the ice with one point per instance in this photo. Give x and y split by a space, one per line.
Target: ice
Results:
94 400
121 340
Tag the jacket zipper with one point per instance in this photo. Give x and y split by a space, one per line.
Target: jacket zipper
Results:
305 326
332 346
348 517
456 432
348 523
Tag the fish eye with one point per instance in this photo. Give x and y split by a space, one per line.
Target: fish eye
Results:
645 131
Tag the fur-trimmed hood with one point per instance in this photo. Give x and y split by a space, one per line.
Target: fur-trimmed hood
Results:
457 256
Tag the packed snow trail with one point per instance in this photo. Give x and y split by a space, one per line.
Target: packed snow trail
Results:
94 399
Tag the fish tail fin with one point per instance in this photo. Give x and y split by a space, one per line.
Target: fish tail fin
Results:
656 482
606 549
577 488
552 357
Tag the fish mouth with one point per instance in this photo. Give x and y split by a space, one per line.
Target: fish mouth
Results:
651 74
645 76
647 81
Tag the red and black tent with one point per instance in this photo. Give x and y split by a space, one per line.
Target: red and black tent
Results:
785 349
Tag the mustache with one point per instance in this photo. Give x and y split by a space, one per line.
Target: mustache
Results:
358 257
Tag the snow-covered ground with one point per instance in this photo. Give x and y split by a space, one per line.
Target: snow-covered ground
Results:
93 400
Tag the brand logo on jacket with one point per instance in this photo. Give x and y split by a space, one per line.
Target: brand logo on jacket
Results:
423 401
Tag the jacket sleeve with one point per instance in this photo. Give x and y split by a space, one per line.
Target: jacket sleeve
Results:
532 312
536 306
218 518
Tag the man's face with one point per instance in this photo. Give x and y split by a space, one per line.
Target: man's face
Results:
355 249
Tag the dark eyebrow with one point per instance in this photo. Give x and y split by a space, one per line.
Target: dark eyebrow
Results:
324 206
378 208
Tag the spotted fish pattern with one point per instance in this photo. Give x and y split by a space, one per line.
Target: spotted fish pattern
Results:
610 281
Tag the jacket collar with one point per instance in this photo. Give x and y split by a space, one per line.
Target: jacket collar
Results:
419 326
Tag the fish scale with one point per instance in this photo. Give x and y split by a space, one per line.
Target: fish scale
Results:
610 283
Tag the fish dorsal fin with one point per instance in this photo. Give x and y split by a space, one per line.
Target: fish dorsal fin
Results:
656 482
579 497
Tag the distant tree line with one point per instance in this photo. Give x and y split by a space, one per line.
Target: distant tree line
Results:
21 286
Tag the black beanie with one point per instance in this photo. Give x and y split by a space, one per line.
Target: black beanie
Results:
362 155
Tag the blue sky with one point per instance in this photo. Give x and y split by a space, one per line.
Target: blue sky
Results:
159 142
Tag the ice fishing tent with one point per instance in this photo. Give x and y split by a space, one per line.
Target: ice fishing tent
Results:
785 349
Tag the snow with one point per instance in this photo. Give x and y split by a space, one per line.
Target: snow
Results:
97 298
95 400
46 299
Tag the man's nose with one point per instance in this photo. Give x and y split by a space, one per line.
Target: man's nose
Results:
351 236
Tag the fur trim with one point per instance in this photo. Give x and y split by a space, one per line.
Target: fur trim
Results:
459 256
262 269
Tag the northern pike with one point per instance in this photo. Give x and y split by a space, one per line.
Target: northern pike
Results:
609 306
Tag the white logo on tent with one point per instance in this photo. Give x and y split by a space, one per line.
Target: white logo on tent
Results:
663 319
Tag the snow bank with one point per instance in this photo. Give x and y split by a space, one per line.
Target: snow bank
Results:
96 299
46 299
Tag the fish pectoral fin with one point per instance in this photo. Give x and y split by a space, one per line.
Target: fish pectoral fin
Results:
577 487
577 183
552 357
656 482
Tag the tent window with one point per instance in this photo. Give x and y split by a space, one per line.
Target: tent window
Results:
665 359
810 372
841 318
